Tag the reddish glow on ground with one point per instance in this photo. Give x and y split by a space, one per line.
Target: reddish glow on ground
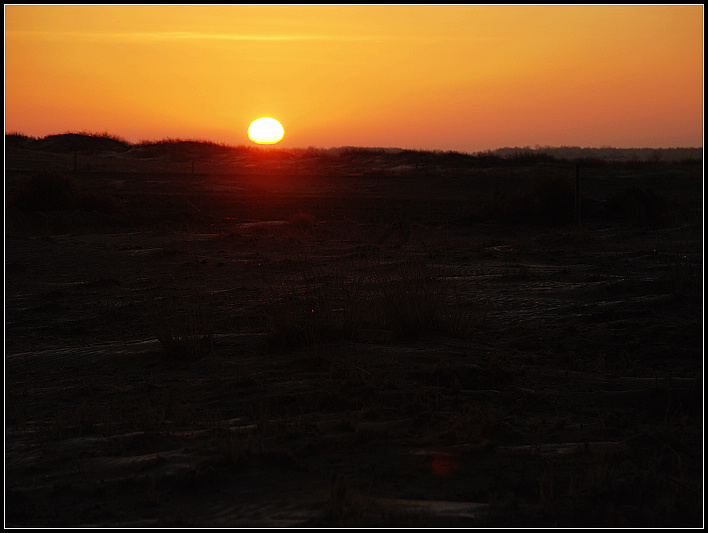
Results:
444 464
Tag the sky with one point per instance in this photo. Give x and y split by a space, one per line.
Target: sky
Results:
434 77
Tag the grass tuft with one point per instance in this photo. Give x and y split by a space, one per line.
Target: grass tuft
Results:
315 308
52 190
639 206
183 327
406 299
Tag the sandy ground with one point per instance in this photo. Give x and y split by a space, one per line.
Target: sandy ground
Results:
355 352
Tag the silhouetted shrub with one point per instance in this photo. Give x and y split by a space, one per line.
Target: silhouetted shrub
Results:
303 221
18 140
526 157
48 190
638 206
406 299
52 190
183 326
554 201
549 201
81 142
315 309
412 301
100 203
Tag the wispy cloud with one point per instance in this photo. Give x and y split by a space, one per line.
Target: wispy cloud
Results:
176 36
199 36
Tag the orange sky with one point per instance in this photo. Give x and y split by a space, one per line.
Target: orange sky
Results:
464 78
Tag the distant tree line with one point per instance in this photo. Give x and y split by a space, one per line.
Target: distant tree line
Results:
607 153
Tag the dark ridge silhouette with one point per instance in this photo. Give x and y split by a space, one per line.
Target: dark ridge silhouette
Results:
69 142
18 140
87 143
183 149
192 148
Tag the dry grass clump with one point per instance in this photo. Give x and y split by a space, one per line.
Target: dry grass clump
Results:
681 267
638 206
411 300
414 300
182 326
405 298
48 190
303 221
52 190
344 506
315 307
548 201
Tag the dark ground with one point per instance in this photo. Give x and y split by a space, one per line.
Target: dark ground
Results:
350 341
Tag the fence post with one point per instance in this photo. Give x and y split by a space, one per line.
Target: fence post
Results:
577 194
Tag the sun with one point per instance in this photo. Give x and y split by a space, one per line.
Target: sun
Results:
265 130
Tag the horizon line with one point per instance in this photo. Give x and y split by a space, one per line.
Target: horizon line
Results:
536 147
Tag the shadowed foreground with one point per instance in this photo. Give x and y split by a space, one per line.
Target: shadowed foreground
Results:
313 342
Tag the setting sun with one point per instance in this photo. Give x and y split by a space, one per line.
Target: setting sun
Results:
265 130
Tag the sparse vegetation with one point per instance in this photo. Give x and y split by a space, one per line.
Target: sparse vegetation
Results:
547 201
412 300
681 267
48 190
316 307
53 190
404 299
638 206
303 221
183 326
355 338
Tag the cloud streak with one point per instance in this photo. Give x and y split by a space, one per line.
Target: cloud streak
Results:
176 36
